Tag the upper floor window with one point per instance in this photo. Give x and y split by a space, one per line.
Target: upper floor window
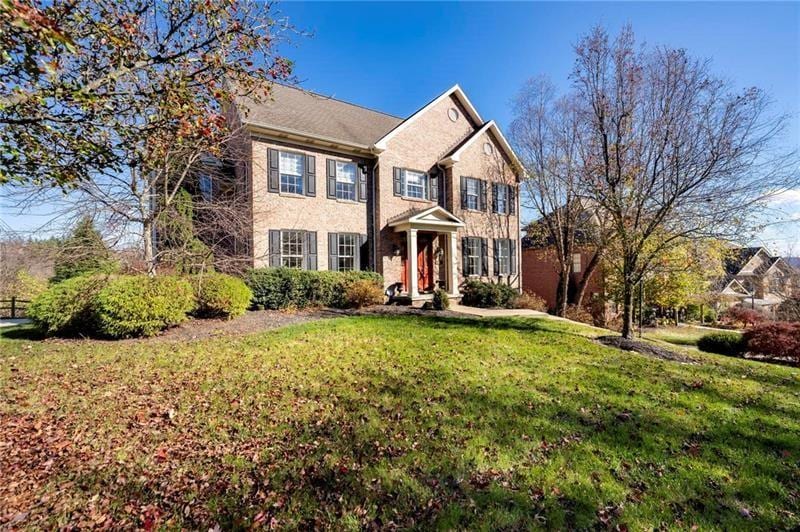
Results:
472 194
501 203
503 198
291 170
416 184
292 249
346 181
206 187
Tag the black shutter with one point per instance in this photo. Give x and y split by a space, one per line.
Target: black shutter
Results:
482 198
495 188
484 257
464 258
333 251
463 192
274 248
311 175
433 186
274 178
397 181
496 258
331 179
362 183
512 247
362 252
512 199
311 250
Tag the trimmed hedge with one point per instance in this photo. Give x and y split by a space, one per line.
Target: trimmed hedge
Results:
280 288
723 343
487 295
218 295
139 305
67 308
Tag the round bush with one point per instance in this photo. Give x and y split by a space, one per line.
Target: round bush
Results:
440 300
776 339
67 308
140 305
722 343
363 293
220 296
487 295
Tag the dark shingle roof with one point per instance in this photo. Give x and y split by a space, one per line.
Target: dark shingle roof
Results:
315 115
737 258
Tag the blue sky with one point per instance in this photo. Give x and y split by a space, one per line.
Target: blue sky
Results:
394 57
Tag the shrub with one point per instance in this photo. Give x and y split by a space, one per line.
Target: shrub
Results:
139 305
789 309
67 308
580 314
530 302
220 296
363 293
486 295
776 339
722 343
440 300
280 288
740 315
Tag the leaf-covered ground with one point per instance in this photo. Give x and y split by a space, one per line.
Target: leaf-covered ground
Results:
383 422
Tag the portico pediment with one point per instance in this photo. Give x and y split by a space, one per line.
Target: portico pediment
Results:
431 219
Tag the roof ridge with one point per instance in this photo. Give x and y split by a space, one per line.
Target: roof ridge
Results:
314 93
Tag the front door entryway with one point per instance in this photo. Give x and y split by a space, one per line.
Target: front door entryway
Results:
424 263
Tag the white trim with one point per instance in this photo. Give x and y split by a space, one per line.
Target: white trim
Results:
380 145
283 135
417 221
449 161
753 257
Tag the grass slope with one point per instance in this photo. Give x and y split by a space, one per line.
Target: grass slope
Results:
394 421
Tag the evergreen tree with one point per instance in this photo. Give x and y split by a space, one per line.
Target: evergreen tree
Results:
84 251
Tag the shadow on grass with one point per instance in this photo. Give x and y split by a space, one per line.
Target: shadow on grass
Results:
22 332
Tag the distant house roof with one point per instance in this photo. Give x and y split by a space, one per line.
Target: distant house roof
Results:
738 258
296 110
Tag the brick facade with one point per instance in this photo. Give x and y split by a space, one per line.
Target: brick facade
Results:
421 144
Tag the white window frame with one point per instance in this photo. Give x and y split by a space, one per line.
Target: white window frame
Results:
206 186
576 263
502 192
289 259
504 256
347 190
341 244
476 195
423 185
291 183
474 261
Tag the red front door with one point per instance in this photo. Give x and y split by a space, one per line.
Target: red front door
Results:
425 262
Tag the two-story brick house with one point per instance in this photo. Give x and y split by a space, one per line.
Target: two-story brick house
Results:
426 201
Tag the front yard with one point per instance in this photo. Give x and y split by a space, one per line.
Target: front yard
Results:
393 421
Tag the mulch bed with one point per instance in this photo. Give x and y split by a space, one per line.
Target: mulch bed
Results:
645 348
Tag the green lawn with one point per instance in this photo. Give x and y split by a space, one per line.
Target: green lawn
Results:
394 421
684 336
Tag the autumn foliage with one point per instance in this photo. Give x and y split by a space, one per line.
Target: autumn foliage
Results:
777 339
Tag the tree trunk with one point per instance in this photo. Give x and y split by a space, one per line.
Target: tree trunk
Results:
580 293
149 252
562 292
628 291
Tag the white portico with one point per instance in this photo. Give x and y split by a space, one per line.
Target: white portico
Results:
434 227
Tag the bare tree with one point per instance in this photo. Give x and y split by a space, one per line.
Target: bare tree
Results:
670 149
548 133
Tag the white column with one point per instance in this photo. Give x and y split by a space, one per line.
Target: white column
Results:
413 273
453 255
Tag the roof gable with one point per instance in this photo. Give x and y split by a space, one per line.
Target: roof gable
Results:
454 91
489 127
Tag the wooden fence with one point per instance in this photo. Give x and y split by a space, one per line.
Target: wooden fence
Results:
13 308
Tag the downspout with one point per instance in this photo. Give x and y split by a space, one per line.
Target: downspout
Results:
372 209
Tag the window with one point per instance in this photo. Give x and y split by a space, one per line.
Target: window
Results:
416 184
292 249
347 252
503 258
346 181
473 256
291 170
576 263
206 187
502 198
472 194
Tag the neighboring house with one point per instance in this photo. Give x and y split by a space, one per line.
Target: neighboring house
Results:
754 278
540 271
427 201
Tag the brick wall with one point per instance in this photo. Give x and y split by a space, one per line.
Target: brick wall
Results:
540 275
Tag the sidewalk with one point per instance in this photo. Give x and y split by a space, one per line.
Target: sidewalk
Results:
499 312
8 322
